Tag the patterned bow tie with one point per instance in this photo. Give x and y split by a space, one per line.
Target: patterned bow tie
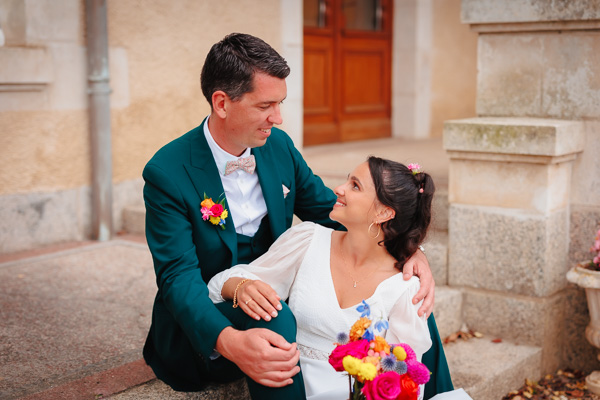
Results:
246 163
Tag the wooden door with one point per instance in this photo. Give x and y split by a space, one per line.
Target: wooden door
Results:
347 70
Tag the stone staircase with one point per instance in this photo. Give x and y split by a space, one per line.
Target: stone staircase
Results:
487 368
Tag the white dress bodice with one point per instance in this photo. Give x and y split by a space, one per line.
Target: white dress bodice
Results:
297 266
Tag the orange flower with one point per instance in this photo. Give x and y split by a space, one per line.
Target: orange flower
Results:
359 328
208 203
381 345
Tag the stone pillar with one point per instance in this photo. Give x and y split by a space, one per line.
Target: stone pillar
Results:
508 228
522 170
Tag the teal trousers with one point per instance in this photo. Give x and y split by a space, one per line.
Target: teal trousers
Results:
223 370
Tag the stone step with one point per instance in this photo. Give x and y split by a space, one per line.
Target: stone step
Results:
436 250
134 219
448 310
488 370
157 390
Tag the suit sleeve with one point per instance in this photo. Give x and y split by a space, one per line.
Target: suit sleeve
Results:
314 201
178 276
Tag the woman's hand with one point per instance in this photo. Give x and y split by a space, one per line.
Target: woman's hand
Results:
258 300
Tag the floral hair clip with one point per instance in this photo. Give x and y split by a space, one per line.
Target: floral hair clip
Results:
414 168
214 212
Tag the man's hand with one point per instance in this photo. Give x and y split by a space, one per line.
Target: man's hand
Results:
265 356
417 265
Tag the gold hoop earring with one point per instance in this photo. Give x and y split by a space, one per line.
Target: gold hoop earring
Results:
378 231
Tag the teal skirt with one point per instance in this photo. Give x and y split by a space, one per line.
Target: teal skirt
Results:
435 360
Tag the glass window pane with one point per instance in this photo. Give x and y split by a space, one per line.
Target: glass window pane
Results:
362 15
314 13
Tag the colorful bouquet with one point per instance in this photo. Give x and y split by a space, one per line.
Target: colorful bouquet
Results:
380 370
214 212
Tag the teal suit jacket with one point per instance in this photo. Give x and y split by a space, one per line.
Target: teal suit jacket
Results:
187 251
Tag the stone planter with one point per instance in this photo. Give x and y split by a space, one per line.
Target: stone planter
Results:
590 281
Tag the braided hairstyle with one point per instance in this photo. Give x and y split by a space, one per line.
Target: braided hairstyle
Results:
398 188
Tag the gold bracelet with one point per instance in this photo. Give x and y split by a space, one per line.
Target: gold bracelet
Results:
235 302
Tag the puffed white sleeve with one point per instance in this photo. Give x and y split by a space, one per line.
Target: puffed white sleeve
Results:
405 324
277 267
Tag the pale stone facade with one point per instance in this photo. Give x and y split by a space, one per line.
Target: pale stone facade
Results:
524 178
156 50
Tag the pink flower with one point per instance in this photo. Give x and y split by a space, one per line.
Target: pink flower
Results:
385 386
418 372
356 349
206 213
410 353
216 210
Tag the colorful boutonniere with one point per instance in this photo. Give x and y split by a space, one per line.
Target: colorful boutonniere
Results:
214 212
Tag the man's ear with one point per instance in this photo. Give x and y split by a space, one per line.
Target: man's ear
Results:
219 103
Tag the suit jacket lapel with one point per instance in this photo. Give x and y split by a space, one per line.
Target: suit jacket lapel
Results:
205 177
270 182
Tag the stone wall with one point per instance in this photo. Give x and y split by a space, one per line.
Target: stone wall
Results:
156 51
525 177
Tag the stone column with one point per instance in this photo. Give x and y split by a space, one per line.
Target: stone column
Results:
508 228
525 172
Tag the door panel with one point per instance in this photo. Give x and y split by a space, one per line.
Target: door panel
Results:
319 104
318 67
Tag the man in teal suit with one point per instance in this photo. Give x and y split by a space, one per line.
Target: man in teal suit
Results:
260 184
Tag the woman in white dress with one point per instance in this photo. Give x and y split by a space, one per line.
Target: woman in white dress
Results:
326 274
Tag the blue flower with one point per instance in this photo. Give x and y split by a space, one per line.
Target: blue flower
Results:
368 335
388 363
342 338
401 367
364 309
381 325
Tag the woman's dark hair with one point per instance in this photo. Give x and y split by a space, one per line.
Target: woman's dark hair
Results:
398 188
231 64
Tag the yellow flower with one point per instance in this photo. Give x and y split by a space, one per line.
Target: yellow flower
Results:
215 220
400 353
372 360
208 203
351 364
367 371
224 214
381 345
359 327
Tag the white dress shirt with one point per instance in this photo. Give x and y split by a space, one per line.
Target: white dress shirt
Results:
244 195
